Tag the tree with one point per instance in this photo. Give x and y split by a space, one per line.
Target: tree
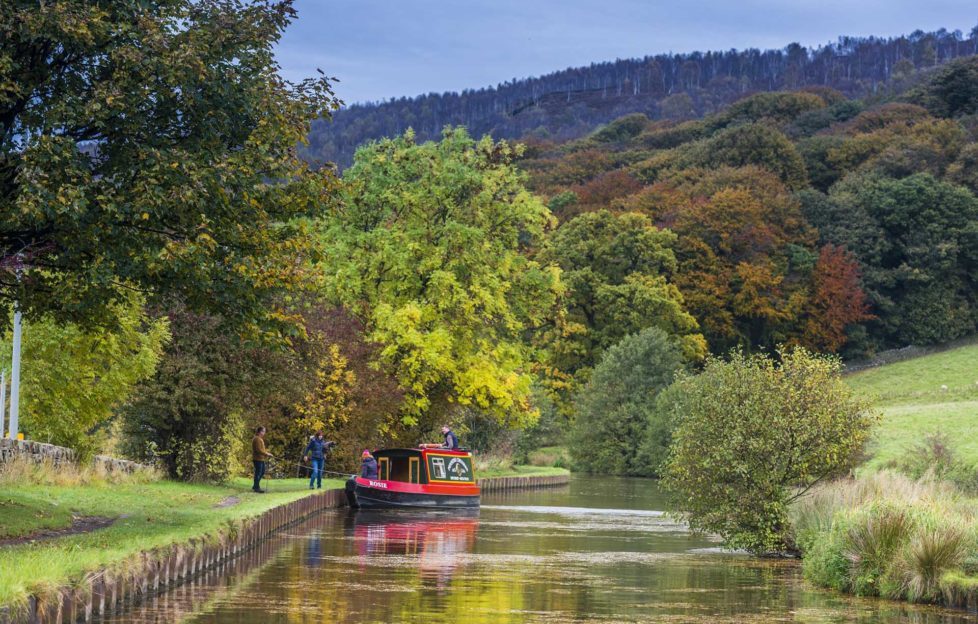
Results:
152 146
190 416
754 434
73 378
356 403
953 91
743 252
428 250
618 271
615 409
916 240
749 144
837 301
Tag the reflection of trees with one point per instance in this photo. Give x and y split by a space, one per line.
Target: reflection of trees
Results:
417 567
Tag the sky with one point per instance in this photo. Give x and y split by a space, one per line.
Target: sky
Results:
390 48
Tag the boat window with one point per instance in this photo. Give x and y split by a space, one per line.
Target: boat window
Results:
385 468
414 469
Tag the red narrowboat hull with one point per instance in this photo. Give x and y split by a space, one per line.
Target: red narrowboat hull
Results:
375 493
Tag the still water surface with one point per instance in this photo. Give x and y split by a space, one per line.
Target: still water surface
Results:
598 550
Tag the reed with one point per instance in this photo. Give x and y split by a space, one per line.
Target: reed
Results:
887 534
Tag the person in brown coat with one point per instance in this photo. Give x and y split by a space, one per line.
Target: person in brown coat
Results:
258 455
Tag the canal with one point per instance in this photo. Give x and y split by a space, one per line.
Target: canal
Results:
598 550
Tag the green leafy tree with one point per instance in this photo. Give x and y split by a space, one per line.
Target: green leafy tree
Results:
72 378
151 145
618 271
192 416
953 91
917 241
428 249
615 409
749 144
753 434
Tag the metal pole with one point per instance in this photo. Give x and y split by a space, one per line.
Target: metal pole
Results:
15 379
3 400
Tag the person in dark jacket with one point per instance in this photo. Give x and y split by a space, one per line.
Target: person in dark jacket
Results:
451 440
368 466
450 443
316 453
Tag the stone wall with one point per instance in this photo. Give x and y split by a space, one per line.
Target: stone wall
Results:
59 455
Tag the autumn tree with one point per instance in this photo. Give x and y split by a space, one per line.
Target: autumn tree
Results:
151 145
428 249
356 403
837 300
744 252
618 271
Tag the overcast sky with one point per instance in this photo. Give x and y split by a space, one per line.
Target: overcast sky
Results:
389 48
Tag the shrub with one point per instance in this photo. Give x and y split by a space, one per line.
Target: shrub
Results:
934 456
754 435
616 407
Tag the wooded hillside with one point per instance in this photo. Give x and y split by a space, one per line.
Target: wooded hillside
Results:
570 103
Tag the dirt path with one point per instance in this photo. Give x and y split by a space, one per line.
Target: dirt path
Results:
79 524
230 501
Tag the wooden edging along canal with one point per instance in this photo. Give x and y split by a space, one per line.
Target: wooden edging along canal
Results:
156 571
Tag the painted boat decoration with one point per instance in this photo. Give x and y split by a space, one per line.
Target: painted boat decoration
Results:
423 477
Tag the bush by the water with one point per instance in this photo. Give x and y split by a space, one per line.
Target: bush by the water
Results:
755 433
889 535
618 407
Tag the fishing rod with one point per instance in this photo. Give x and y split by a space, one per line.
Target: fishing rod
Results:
324 471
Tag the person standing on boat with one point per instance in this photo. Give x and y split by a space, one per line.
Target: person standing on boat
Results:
368 466
316 452
451 440
450 443
259 455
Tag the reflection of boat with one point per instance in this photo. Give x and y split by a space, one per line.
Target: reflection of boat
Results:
430 478
436 540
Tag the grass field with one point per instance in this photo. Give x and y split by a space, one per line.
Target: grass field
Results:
913 403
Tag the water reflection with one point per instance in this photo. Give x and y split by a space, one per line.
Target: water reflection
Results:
599 550
437 543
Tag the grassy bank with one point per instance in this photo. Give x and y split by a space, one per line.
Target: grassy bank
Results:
522 471
888 535
148 512
935 393
911 536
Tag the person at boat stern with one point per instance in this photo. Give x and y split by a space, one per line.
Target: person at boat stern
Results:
451 440
316 453
259 455
368 466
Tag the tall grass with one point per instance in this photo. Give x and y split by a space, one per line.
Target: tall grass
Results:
888 535
24 471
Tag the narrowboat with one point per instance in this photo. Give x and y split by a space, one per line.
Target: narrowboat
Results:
423 477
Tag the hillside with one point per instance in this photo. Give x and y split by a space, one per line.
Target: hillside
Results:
804 217
570 103
914 404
